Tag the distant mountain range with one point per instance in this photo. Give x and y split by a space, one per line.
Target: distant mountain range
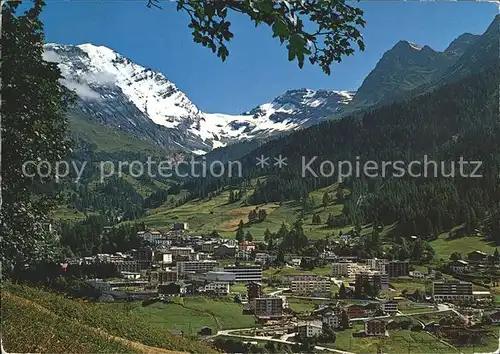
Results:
119 94
114 91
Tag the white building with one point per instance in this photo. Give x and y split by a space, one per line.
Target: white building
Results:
181 251
163 257
332 319
417 274
309 330
204 266
377 264
311 287
262 257
389 307
243 255
460 266
245 273
452 290
221 276
218 288
289 278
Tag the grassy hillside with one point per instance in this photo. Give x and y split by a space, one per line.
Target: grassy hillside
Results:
111 140
444 247
24 321
65 325
204 216
190 314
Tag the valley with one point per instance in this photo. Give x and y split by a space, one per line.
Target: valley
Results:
268 259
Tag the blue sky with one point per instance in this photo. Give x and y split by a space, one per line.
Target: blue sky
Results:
257 69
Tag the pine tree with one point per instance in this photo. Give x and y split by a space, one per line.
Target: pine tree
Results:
326 200
267 235
270 244
241 224
240 235
262 215
342 291
252 216
344 322
248 237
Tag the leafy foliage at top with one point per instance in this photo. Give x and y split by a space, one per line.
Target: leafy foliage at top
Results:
323 31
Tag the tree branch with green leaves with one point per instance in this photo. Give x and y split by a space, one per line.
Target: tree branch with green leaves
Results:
324 31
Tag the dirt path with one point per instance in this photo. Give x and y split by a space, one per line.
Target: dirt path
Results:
136 345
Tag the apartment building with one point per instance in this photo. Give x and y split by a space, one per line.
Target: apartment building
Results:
254 290
221 276
381 280
127 266
377 264
356 268
245 273
181 251
268 307
144 257
167 276
397 269
163 257
452 290
341 269
375 327
289 278
318 286
203 266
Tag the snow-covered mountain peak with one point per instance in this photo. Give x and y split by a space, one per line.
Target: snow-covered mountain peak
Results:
117 92
303 106
150 91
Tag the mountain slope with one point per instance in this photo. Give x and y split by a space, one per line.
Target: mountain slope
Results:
456 120
100 329
461 44
481 53
403 68
411 68
115 92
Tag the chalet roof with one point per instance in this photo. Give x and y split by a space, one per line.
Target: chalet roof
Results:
478 252
256 283
495 315
375 320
